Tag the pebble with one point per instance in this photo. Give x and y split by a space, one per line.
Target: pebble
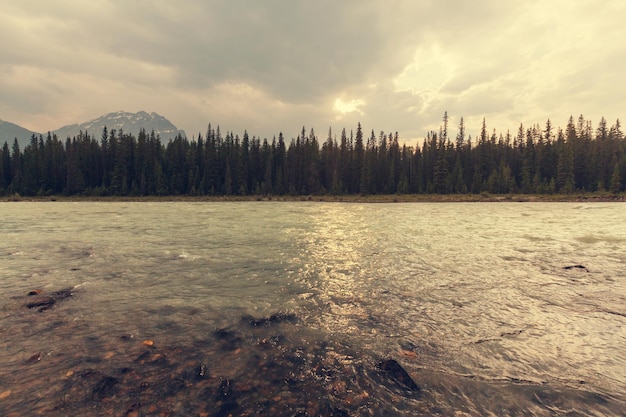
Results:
5 394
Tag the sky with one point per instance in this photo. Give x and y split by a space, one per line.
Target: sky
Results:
275 66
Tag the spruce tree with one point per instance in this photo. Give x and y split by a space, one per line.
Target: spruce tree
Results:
3 178
616 179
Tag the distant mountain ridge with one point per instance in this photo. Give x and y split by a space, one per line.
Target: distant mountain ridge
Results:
127 122
10 131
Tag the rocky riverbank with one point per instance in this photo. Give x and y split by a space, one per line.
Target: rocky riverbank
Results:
274 366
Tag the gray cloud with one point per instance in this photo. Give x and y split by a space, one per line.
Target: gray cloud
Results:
277 65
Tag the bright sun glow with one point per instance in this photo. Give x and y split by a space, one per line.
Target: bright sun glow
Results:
344 107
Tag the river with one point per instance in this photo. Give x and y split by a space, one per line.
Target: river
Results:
310 308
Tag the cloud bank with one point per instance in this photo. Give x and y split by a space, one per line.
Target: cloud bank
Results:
276 66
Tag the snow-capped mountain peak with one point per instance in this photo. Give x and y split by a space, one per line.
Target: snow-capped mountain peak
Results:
127 122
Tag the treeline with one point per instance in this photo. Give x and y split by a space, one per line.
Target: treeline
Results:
532 160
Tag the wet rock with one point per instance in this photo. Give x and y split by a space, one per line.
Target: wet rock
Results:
224 333
330 411
574 267
35 358
226 409
271 342
396 372
224 391
296 356
198 373
106 387
42 302
224 398
230 340
279 318
62 294
273 319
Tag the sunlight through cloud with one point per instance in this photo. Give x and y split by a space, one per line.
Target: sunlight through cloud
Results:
345 107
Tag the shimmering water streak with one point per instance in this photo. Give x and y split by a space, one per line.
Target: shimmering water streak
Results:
482 287
471 290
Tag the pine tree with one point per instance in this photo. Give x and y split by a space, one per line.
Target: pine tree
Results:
616 179
359 160
30 168
4 180
15 165
366 185
458 182
565 166
280 166
74 181
441 173
243 166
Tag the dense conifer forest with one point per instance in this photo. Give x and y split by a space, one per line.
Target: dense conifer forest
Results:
535 159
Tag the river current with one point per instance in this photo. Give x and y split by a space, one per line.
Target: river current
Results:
310 308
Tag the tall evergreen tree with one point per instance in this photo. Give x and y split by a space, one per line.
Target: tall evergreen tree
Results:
616 179
16 169
4 172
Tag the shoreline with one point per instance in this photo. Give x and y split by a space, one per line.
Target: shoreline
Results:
382 198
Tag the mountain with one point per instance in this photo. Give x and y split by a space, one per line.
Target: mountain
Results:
9 131
127 122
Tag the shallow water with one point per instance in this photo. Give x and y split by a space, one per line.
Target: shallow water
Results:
473 300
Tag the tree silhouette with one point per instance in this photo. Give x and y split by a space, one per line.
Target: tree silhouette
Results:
534 160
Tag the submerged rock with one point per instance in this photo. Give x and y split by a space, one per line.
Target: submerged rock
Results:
35 358
228 338
397 373
199 372
105 387
224 399
225 391
328 410
581 267
303 373
273 319
42 302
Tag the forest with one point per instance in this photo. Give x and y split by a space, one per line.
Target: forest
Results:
533 160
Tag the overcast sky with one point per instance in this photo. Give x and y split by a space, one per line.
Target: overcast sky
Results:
277 65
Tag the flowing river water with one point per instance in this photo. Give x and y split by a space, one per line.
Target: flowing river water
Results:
307 309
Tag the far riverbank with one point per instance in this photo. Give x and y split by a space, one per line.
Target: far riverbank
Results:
383 198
